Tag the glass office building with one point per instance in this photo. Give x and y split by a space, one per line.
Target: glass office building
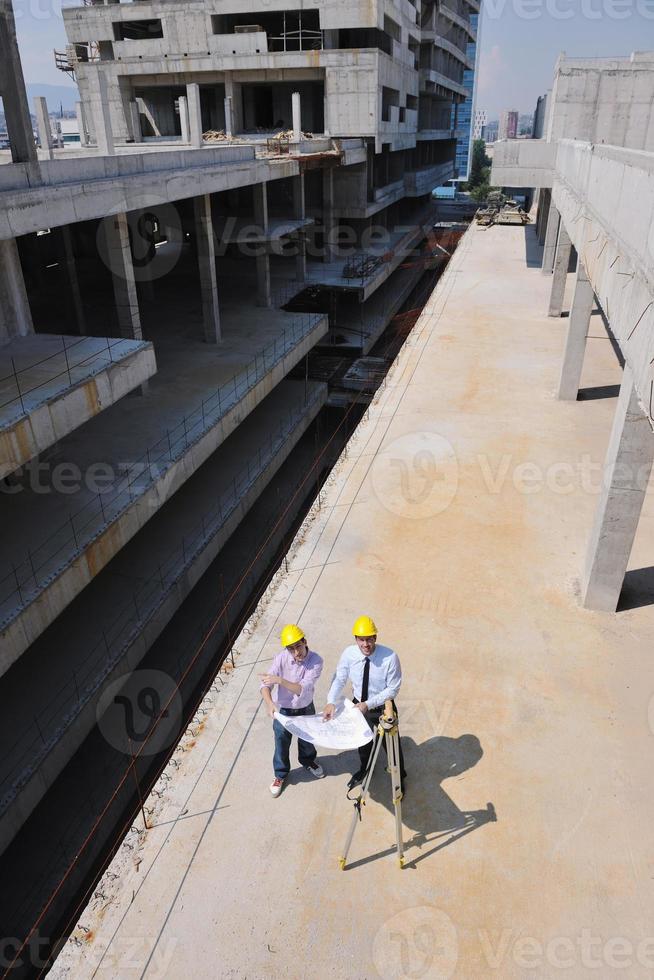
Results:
467 109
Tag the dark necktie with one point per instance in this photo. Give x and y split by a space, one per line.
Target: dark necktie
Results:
364 682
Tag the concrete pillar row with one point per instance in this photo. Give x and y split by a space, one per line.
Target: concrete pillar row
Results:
296 108
14 94
118 255
194 114
560 275
229 116
73 280
206 250
299 213
264 291
135 121
81 124
184 119
15 313
43 125
551 236
575 345
329 220
104 136
627 470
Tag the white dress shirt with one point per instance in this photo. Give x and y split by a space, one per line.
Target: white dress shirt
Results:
384 679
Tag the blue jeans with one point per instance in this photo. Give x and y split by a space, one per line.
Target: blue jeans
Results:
306 752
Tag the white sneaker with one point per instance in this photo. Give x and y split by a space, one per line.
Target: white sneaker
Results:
316 770
276 786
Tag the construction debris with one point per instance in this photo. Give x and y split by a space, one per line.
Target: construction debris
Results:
217 136
501 210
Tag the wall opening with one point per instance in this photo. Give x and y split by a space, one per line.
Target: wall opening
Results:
137 30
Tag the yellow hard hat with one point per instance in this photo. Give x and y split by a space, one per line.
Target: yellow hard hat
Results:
364 626
291 634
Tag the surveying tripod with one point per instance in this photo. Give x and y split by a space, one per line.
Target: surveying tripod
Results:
386 729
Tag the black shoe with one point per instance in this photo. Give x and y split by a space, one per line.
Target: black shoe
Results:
357 778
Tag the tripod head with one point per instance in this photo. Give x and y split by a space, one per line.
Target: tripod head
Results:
388 720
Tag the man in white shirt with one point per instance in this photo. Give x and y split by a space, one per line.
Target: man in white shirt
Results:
376 676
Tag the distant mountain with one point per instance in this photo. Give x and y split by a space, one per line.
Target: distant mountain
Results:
56 95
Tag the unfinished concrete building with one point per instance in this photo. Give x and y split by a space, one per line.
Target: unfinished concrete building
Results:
192 274
594 170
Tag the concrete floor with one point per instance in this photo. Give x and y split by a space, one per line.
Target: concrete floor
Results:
119 439
41 692
459 519
45 367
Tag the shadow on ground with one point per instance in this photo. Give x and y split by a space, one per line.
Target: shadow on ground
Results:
533 249
637 589
431 818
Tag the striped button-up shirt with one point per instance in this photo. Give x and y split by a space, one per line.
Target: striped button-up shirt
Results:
305 674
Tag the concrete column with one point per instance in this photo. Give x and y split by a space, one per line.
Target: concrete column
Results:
296 109
43 126
207 267
229 117
194 114
575 345
560 277
627 471
183 119
81 124
551 235
135 121
328 220
14 96
544 200
104 136
119 258
299 212
73 281
264 292
15 313
233 92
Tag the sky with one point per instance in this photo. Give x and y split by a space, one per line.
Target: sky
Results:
520 42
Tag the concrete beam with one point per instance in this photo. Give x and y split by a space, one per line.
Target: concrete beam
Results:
14 94
118 256
551 236
43 125
194 114
207 267
575 345
560 276
627 470
15 313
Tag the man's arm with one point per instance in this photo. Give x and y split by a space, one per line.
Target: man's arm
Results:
338 683
268 701
393 684
308 685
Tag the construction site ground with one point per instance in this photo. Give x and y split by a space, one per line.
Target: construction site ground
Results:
458 518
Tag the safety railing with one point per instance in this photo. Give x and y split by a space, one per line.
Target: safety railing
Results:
113 638
66 369
29 577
